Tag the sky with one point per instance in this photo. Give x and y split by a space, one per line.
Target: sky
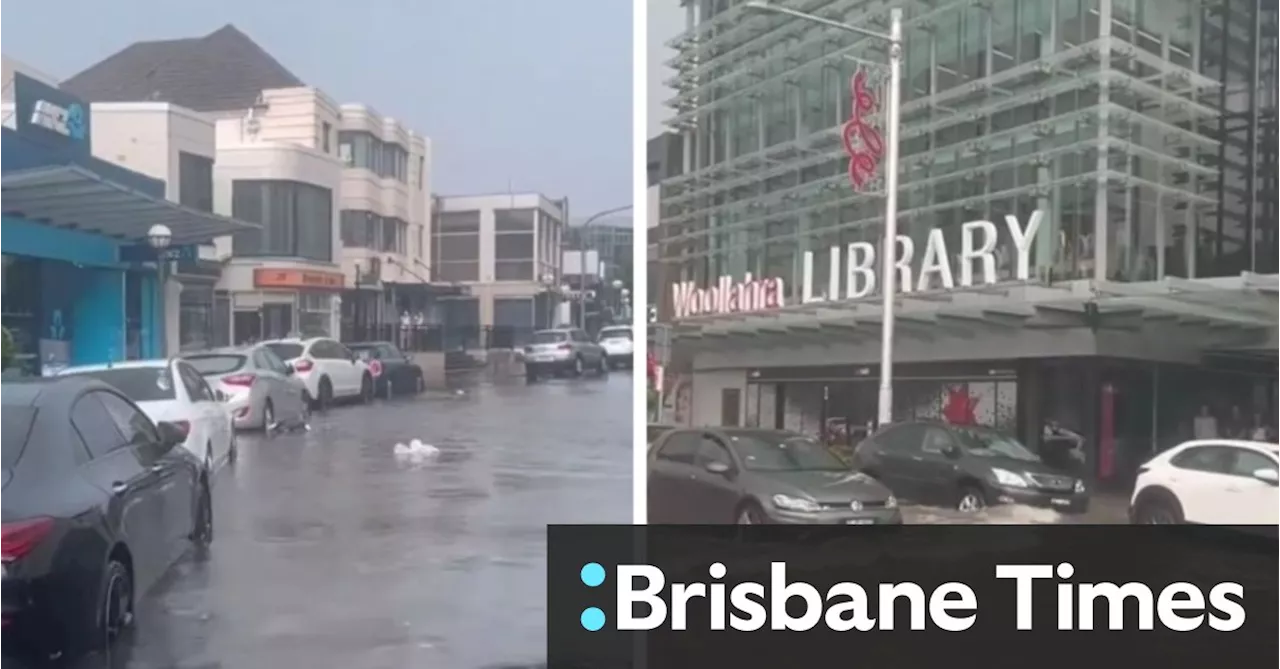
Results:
666 20
531 96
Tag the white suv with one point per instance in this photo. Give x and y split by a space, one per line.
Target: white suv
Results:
1209 482
617 345
328 370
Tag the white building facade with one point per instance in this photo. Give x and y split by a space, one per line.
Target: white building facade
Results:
385 205
505 249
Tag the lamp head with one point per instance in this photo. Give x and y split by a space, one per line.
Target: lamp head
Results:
159 236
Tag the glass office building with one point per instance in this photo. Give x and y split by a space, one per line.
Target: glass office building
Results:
1144 131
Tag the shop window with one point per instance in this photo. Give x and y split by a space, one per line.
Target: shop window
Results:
314 310
730 407
195 317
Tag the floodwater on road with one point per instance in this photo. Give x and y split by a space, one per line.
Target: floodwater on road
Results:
330 551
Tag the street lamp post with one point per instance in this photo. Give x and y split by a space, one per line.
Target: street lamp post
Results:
582 260
159 237
889 254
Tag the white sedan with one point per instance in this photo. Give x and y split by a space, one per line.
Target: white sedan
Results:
328 370
172 390
1209 482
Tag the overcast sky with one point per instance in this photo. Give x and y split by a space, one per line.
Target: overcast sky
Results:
666 20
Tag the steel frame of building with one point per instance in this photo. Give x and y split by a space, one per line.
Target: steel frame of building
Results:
1092 117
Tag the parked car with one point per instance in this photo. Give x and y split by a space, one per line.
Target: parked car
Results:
1211 482
98 504
965 467
616 340
753 476
328 370
566 351
394 373
172 390
259 388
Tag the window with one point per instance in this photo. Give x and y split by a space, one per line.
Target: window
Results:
709 451
1210 459
96 427
195 316
214 364
140 384
296 219
272 361
325 131
908 437
936 440
513 220
680 447
197 389
1248 462
385 159
730 406
457 245
514 256
134 425
195 181
314 310
422 172
286 351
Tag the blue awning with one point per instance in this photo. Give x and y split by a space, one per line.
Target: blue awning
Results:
72 197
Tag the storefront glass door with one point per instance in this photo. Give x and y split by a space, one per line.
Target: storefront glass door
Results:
277 321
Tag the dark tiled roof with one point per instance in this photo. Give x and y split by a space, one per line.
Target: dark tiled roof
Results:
224 70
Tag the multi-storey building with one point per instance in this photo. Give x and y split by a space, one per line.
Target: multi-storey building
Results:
506 250
385 204
280 163
1140 135
664 160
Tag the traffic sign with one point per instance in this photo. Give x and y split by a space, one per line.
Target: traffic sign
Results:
145 253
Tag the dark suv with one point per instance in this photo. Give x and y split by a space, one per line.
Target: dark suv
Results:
966 468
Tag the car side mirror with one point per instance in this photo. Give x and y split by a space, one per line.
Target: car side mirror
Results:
170 435
952 452
1267 476
717 467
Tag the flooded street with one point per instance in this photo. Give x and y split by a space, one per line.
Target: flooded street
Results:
331 551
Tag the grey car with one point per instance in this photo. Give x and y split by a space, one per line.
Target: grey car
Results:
753 476
259 390
563 352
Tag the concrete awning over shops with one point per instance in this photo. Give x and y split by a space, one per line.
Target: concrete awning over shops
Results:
73 197
1233 313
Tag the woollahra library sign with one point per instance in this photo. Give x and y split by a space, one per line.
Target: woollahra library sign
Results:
857 261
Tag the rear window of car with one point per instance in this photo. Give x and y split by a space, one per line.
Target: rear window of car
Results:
15 427
620 333
209 365
286 351
140 384
549 337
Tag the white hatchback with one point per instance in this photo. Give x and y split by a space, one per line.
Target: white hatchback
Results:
616 340
1209 482
328 370
172 390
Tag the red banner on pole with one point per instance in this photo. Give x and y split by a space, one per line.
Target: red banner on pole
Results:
861 138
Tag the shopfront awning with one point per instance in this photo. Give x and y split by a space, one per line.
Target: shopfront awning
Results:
72 197
1232 313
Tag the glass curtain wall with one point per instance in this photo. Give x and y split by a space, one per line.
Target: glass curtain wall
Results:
296 219
1088 110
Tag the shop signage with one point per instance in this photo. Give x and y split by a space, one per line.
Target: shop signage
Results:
978 241
294 278
145 253
67 121
727 296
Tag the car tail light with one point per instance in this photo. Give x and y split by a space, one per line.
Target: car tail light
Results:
18 539
239 379
303 365
565 347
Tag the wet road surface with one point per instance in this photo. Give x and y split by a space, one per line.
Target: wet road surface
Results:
330 551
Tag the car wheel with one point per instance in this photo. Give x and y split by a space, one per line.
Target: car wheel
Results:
750 514
578 367
366 389
971 499
268 417
325 400
202 535
117 603
1158 512
602 369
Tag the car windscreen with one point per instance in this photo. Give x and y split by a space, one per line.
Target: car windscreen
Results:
286 351
15 427
549 337
212 365
987 443
781 452
656 431
615 334
140 384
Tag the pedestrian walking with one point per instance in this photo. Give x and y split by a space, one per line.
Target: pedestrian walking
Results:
1205 425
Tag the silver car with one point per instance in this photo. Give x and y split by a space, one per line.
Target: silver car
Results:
259 390
563 352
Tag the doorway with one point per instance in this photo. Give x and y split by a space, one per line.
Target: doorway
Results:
247 327
277 321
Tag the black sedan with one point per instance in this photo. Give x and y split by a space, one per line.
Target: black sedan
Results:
966 468
98 504
750 476
394 373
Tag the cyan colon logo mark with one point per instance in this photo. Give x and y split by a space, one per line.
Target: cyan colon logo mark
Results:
75 122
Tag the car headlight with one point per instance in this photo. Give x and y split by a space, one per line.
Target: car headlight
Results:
789 503
1079 487
1008 478
891 503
